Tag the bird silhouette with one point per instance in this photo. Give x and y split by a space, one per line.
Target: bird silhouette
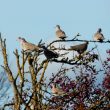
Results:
57 91
26 46
60 33
81 48
49 54
98 36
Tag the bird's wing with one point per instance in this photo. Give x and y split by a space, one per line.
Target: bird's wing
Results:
60 33
98 36
50 54
58 91
30 46
78 47
102 36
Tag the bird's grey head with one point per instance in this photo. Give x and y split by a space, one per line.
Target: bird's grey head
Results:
21 39
57 26
99 30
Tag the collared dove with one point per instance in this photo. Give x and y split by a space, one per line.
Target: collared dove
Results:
98 36
49 54
81 48
26 46
60 33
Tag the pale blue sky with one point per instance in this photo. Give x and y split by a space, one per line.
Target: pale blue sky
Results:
36 19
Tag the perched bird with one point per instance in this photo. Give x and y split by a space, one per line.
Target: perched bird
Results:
57 91
60 33
26 46
81 48
49 54
98 36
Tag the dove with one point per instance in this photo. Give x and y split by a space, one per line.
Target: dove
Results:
49 54
98 36
81 48
60 33
57 91
26 46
